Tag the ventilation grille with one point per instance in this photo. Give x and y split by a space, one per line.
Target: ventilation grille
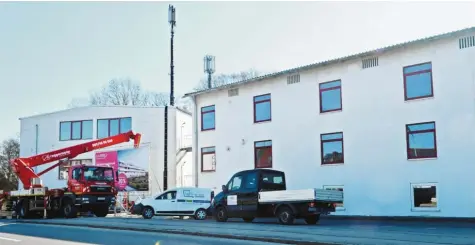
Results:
233 92
291 79
370 62
466 42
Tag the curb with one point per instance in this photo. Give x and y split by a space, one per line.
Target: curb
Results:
189 233
399 218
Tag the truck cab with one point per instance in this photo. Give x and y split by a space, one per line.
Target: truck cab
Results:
262 193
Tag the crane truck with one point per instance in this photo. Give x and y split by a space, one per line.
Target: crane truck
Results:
89 188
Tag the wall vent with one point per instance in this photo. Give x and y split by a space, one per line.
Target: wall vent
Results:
370 62
291 79
466 42
233 92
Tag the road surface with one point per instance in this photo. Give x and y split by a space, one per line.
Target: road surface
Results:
25 234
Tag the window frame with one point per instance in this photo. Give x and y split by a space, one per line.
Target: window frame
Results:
322 141
208 153
331 187
425 209
206 112
434 131
320 90
262 147
80 129
405 75
260 102
165 194
109 126
65 167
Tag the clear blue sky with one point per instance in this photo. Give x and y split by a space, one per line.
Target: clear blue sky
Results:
53 52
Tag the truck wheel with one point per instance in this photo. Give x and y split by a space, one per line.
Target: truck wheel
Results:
312 220
68 209
23 210
286 216
200 214
248 219
101 212
147 212
221 214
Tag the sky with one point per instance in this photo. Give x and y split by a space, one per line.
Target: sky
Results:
54 52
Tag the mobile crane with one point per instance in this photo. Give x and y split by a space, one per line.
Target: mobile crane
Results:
89 188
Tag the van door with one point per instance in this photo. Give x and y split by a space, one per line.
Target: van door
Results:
248 196
232 202
165 203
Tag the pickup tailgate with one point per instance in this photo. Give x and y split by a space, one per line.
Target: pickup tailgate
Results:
320 195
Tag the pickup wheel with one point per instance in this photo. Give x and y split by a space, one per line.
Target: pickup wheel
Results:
248 219
312 220
286 216
23 210
221 214
147 212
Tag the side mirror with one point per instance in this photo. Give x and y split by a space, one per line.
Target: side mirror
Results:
224 188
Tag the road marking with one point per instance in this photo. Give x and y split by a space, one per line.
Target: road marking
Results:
4 224
9 239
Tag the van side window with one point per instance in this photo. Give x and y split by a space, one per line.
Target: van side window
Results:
236 183
251 181
171 195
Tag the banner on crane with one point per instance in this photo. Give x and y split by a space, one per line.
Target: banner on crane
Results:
130 166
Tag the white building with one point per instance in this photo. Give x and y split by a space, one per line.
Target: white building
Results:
52 131
344 123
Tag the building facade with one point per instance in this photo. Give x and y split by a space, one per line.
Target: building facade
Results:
52 131
393 128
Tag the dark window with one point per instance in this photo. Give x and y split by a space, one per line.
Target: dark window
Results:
273 178
330 96
251 181
208 118
113 126
421 140
424 196
262 108
263 154
332 148
418 81
208 159
75 130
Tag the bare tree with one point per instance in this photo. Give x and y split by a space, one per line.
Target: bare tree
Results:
223 79
118 92
9 150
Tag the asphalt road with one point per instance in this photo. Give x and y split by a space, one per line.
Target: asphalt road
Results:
19 234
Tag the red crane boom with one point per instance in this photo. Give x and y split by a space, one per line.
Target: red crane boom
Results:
23 166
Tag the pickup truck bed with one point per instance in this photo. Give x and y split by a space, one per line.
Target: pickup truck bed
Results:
313 194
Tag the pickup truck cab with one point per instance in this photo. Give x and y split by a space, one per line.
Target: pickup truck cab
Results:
183 201
262 193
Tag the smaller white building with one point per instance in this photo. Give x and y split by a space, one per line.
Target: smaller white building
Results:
52 131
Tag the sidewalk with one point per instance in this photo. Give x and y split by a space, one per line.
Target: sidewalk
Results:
326 232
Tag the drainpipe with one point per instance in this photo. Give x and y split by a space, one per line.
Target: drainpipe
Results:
195 140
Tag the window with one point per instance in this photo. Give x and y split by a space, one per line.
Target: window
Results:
235 183
75 130
208 159
339 206
263 154
208 119
114 126
421 140
418 81
171 195
424 196
330 96
63 169
273 178
251 181
332 148
262 108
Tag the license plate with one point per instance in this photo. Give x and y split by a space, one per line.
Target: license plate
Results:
312 209
101 198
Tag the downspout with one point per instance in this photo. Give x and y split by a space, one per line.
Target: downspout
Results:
36 144
195 139
165 151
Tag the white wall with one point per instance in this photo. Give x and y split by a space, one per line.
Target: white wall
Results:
147 121
376 174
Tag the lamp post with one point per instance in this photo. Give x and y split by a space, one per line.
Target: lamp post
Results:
172 22
209 67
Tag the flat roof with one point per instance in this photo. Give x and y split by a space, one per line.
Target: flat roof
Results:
337 60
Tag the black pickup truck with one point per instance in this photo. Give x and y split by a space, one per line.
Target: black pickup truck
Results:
260 193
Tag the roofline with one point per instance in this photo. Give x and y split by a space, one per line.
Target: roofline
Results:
336 60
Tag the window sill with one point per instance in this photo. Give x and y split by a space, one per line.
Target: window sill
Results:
209 171
419 99
207 130
332 164
422 159
260 122
425 209
331 111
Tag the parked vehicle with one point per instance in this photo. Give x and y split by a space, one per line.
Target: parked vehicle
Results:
262 193
183 201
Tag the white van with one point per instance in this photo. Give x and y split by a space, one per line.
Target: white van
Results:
183 201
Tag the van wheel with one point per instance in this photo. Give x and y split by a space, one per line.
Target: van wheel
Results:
147 213
200 214
286 216
312 220
248 219
221 214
